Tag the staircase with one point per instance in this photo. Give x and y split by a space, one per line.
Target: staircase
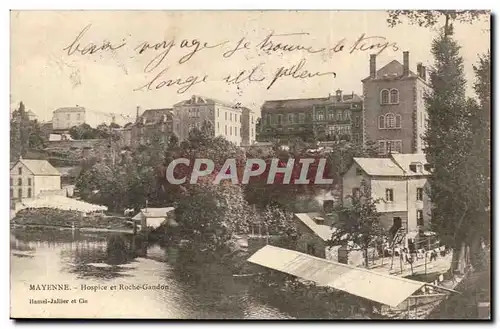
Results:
398 237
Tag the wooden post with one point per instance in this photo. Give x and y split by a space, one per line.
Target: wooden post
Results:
401 261
425 260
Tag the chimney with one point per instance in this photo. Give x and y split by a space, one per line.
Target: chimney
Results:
424 73
406 63
419 69
338 93
137 113
373 66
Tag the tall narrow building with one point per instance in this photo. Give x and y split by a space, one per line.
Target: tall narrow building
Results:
394 110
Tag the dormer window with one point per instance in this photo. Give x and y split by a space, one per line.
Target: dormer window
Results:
416 167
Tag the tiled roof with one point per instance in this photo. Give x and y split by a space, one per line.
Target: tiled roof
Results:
392 70
40 167
323 231
200 100
156 115
308 103
379 166
405 160
157 212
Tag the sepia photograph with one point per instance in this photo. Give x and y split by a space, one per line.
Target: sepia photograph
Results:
250 165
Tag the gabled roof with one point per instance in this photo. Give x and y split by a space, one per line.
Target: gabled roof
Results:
381 288
392 70
405 160
323 231
155 212
39 167
379 166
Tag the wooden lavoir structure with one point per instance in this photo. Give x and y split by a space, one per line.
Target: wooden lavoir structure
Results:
390 296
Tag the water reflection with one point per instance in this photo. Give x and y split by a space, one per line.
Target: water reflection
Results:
195 291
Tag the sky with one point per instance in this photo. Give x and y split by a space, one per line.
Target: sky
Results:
49 71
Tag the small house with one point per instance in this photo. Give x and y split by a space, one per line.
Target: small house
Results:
154 217
29 178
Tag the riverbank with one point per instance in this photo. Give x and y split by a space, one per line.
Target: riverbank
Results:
46 218
64 228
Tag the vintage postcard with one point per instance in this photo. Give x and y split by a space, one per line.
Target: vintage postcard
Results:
250 164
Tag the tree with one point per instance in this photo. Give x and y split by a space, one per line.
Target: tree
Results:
431 18
457 183
212 214
278 221
358 225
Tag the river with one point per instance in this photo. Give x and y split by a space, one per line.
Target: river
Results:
72 258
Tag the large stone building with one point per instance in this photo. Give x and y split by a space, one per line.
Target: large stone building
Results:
227 119
29 178
400 181
333 118
66 117
394 109
152 123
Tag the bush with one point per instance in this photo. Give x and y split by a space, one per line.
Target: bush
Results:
67 218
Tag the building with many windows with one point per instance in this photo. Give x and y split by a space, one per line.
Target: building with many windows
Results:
227 119
336 117
400 182
394 109
152 123
29 178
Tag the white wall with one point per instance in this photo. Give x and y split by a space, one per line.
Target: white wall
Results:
47 183
25 176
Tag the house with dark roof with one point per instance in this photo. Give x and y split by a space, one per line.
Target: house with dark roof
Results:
333 118
395 116
151 122
29 178
400 184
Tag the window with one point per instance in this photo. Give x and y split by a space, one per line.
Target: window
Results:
357 122
230 131
29 192
20 170
320 116
384 96
78 117
381 122
217 113
20 181
398 121
11 192
225 128
359 172
355 192
420 194
420 217
347 114
29 181
389 195
339 115
302 117
217 127
331 115
291 118
225 116
20 193
68 117
11 181
390 120
332 130
280 118
394 96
